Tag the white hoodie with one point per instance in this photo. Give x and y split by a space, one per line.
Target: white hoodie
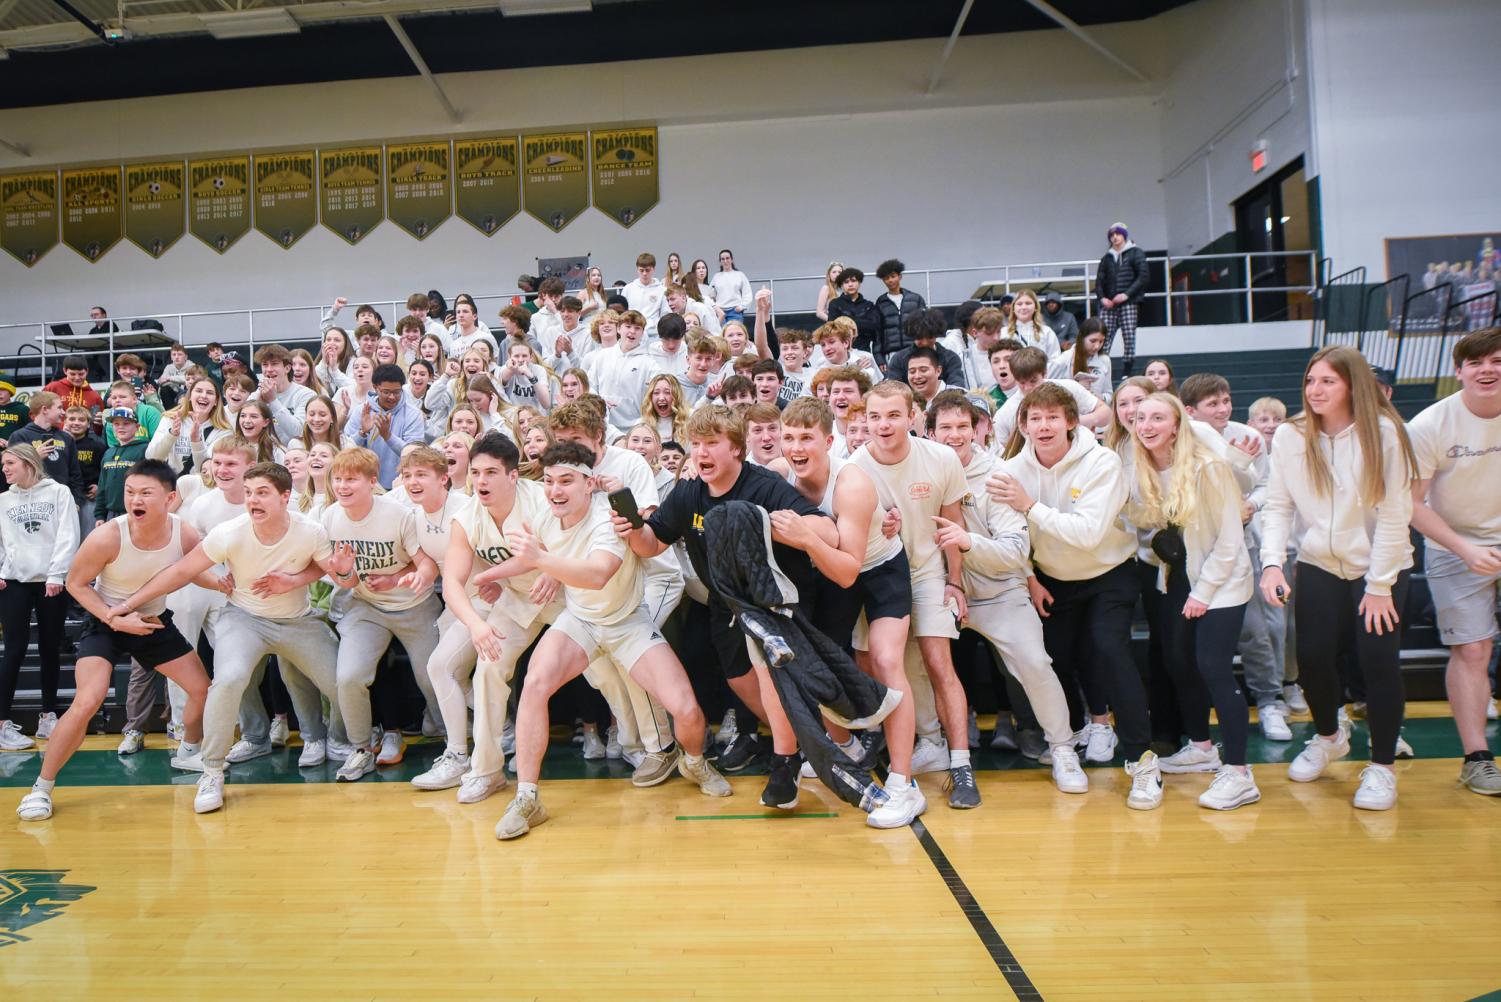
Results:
1344 534
1218 564
1076 526
39 532
998 560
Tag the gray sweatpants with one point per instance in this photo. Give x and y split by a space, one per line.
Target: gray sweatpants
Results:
364 634
1011 625
1258 657
242 641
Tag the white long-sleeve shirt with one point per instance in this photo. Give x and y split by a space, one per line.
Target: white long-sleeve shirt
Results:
732 290
39 532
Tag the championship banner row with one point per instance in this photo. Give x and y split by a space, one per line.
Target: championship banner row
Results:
485 181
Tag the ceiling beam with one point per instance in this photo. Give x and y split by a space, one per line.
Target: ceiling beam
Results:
421 64
948 47
78 16
1072 27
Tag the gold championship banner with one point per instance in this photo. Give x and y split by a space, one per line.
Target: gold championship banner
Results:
154 205
419 189
487 192
625 173
556 181
286 195
28 215
219 200
351 201
92 222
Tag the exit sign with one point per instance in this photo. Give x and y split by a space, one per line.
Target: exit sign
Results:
1258 157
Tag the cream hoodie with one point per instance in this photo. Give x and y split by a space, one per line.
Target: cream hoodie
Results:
39 531
998 558
1218 564
1343 534
1076 526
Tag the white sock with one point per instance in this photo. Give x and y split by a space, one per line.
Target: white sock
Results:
44 785
185 749
692 760
958 758
896 781
522 789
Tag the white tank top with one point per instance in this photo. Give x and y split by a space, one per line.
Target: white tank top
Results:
878 549
124 576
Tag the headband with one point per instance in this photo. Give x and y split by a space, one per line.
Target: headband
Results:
579 468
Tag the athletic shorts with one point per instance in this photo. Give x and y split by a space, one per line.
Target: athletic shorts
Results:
882 592
623 642
930 617
155 648
1464 601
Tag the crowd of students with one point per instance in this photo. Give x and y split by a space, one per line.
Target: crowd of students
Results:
552 487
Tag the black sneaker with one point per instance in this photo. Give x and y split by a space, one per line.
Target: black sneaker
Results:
740 753
1031 744
781 785
873 745
963 793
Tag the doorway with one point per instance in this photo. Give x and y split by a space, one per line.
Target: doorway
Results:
1272 218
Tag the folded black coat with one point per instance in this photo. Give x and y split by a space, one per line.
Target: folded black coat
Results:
819 672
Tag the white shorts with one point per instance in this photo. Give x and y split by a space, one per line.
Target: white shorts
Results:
930 617
1464 602
623 642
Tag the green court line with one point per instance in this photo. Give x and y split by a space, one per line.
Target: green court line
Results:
751 817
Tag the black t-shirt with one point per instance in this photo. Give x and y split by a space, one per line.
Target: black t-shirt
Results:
681 516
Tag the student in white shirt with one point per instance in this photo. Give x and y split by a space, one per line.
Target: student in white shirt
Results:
646 295
1027 327
833 349
467 330
978 330
522 380
1029 367
620 373
732 291
286 399
1086 363
667 353
703 361
847 386
570 340
680 303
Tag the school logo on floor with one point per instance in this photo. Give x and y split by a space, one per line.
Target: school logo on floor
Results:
31 896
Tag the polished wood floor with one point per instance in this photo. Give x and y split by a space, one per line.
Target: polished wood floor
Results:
310 890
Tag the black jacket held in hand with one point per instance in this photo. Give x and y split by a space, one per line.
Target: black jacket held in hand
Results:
1128 275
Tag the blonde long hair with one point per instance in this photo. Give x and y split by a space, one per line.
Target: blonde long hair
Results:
680 410
1199 478
1037 324
216 416
1118 434
1368 405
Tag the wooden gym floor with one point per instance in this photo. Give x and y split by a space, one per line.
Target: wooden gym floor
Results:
301 888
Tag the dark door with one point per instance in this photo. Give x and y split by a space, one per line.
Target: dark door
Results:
1273 217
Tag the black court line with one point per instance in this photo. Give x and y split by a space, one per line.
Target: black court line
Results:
1000 953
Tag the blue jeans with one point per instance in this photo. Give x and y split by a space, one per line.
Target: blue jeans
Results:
734 315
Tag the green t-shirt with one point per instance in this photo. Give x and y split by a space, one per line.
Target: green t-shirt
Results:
12 416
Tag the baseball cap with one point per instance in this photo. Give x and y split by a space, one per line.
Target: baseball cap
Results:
231 358
980 401
121 414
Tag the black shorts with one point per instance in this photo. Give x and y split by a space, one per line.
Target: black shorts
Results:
155 648
728 641
883 592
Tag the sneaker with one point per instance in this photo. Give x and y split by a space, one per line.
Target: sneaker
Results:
632 757
280 731
594 748
1404 750
1031 744
244 751
35 806
806 771
901 807
781 783
1004 737
1191 758
710 782
313 753
1231 788
872 746
446 773
45 722
740 753
1293 696
210 795
1378 789
963 794
612 744
1490 709
432 727
392 749
1068 774
929 756
131 742
1100 742
358 765
1146 783
727 729
1274 723
1482 778
656 767
1316 756
11 738
974 730
187 758
473 789
525 813
337 751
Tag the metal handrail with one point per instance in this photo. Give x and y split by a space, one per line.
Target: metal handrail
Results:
1444 292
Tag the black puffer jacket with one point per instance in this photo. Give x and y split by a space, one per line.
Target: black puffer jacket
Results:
864 313
893 337
1128 275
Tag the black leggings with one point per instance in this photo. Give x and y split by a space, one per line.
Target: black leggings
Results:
1162 695
1329 623
1199 654
17 601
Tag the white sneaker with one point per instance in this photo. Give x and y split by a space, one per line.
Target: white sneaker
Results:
525 813
446 773
187 758
901 807
392 749
210 795
727 732
1316 756
131 742
45 722
1231 789
1404 750
280 731
1146 783
1191 758
313 753
337 751
1293 696
612 744
1068 774
244 751
1100 742
632 757
1274 724
473 789
929 756
1378 789
11 738
594 748
1490 709
35 806
710 782
176 732
806 771
359 764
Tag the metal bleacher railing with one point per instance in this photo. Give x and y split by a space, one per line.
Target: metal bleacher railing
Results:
1193 289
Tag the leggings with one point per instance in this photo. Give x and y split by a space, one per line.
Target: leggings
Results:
17 601
1330 624
1162 694
1199 654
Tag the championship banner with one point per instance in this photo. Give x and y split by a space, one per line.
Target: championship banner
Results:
419 195
351 201
153 205
556 182
286 200
487 192
91 210
625 173
219 200
28 215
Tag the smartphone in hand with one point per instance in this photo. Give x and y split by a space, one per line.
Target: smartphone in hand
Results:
624 504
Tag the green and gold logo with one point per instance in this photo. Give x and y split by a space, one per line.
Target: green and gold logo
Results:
31 896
